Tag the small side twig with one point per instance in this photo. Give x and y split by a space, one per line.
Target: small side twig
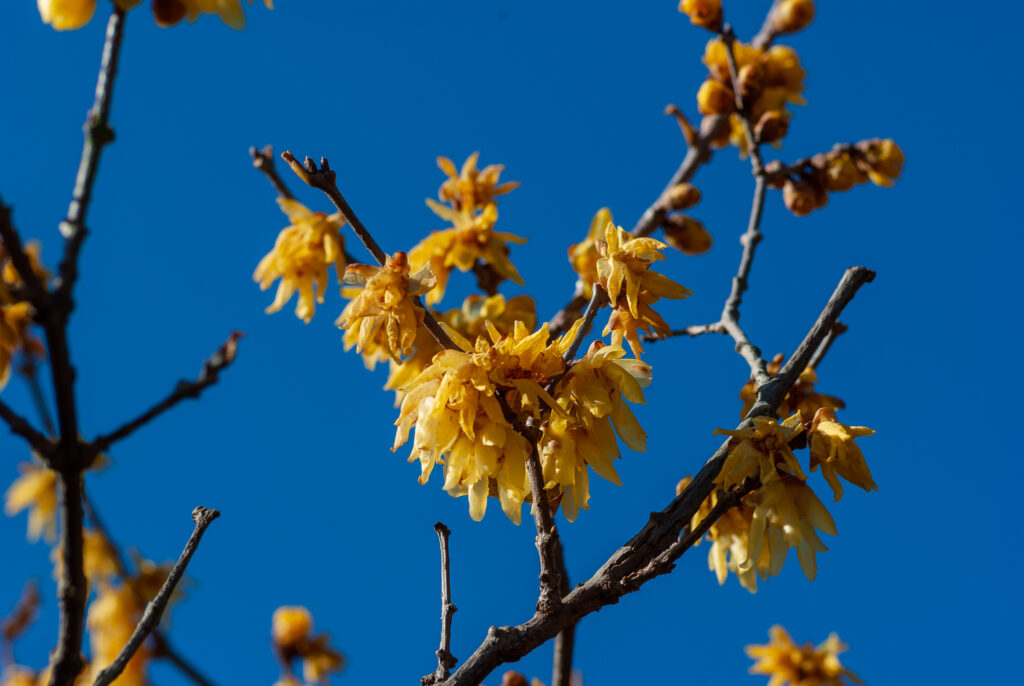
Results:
22 427
18 621
203 517
263 159
445 659
29 371
598 300
691 331
184 390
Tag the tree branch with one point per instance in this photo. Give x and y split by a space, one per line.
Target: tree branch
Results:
445 659
658 541
21 426
30 372
691 331
264 161
565 641
155 608
212 367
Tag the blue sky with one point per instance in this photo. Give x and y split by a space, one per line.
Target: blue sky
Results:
292 445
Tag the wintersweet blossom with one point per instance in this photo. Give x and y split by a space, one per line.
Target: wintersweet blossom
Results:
802 398
385 314
705 13
302 254
459 422
833 448
787 663
472 187
583 256
759 449
730 544
592 398
36 491
291 633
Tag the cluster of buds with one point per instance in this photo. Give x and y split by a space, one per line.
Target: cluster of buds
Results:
683 232
806 184
787 16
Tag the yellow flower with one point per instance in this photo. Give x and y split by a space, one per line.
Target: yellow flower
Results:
291 628
705 13
787 663
35 489
471 237
786 514
842 173
789 16
384 310
730 544
290 625
170 12
624 272
592 397
301 257
472 187
65 15
883 161
714 97
459 422
833 448
762 447
801 399
583 256
111 620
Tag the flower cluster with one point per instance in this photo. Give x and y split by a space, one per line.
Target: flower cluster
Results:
787 663
66 15
623 270
806 185
472 211
384 317
591 399
302 255
291 632
460 422
767 81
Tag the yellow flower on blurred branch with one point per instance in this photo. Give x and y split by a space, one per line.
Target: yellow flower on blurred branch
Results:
301 257
787 663
583 256
384 314
291 632
705 13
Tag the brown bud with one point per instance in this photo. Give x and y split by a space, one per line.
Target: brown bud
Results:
683 483
513 679
789 16
686 235
772 126
751 81
800 197
714 97
841 173
169 12
683 196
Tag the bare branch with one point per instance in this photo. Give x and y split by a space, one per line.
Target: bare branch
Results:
691 331
445 659
565 641
657 543
17 622
72 587
264 161
155 608
184 390
598 300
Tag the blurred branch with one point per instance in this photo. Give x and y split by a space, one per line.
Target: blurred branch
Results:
18 621
212 367
21 426
30 372
155 608
445 659
658 543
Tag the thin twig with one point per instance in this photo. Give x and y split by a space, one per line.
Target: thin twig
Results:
326 180
691 331
445 659
161 645
212 367
18 621
618 576
264 161
29 371
547 537
21 426
598 300
155 608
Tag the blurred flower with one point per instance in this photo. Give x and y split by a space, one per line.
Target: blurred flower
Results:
833 447
882 160
705 13
301 257
16 675
98 558
384 315
35 490
472 187
111 620
592 396
291 629
170 12
789 16
472 237
787 663
65 15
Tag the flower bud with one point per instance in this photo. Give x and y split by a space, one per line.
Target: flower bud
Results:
782 69
714 97
65 15
683 196
290 625
799 197
169 12
751 81
772 126
789 16
513 679
841 172
884 160
706 13
683 483
687 235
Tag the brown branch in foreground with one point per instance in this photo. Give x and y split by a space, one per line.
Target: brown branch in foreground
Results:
619 574
326 180
161 646
212 367
445 659
155 608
